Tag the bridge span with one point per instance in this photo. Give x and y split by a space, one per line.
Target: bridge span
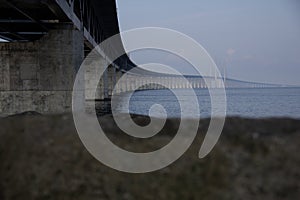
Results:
48 41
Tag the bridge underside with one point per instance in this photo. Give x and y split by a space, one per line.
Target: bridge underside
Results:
48 40
22 21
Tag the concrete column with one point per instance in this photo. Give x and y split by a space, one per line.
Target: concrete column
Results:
135 81
119 85
180 83
92 81
126 83
129 87
132 80
110 80
114 78
173 82
105 85
123 83
142 82
39 76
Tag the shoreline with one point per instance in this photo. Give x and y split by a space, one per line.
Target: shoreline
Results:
99 115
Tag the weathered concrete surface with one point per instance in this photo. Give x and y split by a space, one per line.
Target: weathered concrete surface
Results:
93 67
111 79
39 76
103 87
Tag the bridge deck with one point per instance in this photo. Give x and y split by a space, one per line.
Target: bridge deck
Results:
30 20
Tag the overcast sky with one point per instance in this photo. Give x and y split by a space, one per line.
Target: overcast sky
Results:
258 40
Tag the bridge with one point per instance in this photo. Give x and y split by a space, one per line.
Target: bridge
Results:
147 81
47 42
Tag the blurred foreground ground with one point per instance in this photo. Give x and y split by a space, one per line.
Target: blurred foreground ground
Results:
41 157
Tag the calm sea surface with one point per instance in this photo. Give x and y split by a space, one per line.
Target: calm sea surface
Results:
254 103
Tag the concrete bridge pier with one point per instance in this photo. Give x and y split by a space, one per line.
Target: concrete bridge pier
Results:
98 93
104 86
39 76
92 83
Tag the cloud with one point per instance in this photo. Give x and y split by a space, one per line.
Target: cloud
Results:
230 51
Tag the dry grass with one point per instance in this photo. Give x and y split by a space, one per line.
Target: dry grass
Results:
43 158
